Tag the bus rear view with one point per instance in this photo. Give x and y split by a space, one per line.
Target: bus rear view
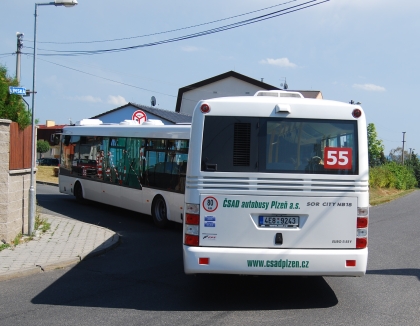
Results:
277 185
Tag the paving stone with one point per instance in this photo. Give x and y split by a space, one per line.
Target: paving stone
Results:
61 246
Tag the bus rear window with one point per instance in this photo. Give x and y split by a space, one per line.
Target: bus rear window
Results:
279 145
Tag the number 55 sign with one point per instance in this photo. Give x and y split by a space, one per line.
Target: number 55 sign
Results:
337 158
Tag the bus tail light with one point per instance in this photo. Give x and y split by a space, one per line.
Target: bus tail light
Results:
205 108
350 263
361 243
362 222
191 240
362 227
192 225
357 113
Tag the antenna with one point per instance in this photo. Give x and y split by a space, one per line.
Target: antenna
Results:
284 85
153 101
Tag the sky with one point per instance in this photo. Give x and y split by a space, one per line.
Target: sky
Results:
365 51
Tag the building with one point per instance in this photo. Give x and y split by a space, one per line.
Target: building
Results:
132 111
229 83
50 132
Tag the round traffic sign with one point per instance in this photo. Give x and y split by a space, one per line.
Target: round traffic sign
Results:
139 116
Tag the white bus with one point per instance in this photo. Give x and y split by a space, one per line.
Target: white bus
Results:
136 167
277 185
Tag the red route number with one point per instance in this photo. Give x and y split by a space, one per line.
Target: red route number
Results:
338 158
139 116
210 204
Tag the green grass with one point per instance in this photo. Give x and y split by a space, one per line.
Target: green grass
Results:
379 196
41 224
4 246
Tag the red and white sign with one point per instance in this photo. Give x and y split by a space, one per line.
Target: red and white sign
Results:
139 116
338 158
210 204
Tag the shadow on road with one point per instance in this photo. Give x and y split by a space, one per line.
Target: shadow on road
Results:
145 272
399 272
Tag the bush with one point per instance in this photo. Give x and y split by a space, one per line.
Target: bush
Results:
392 175
11 106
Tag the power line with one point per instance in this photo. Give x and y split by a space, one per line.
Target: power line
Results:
109 79
121 83
172 30
189 36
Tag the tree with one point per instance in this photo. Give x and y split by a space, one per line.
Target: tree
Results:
395 155
375 147
11 105
42 146
414 162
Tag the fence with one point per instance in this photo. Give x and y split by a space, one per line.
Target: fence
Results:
20 147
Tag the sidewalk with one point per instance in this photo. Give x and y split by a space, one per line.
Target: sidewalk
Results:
66 243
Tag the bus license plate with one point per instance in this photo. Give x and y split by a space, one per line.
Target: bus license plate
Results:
278 221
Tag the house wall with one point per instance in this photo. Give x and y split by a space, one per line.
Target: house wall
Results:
14 191
46 134
126 114
230 86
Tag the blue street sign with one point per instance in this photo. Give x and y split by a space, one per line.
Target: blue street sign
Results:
17 90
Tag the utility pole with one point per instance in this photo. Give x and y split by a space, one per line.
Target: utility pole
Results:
402 156
18 53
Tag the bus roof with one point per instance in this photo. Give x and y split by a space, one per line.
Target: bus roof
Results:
268 106
139 131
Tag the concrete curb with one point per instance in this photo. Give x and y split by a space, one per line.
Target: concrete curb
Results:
115 241
20 273
61 263
47 183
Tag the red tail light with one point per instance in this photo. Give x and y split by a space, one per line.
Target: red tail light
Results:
362 222
191 240
362 227
357 113
192 225
205 108
350 263
193 219
361 243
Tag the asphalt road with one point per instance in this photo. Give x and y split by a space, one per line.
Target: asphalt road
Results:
141 282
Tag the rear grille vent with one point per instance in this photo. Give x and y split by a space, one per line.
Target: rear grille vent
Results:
241 144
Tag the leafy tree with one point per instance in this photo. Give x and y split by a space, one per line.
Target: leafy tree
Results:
375 147
395 155
42 146
12 106
414 162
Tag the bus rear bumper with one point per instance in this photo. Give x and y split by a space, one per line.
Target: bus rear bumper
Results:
251 261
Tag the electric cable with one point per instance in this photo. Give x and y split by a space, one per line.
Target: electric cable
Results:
189 36
172 30
109 79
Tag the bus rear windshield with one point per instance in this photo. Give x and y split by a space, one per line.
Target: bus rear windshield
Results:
279 145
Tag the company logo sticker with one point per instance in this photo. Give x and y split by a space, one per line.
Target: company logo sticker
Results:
209 236
209 218
209 224
210 204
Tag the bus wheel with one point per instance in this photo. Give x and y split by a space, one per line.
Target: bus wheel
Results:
159 212
78 192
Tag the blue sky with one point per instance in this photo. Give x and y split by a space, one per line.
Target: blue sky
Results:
359 50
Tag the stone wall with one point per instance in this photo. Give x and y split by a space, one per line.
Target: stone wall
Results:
14 191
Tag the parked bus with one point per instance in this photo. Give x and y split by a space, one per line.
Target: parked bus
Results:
137 167
277 185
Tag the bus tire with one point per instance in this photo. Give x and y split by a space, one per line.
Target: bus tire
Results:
78 192
159 212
